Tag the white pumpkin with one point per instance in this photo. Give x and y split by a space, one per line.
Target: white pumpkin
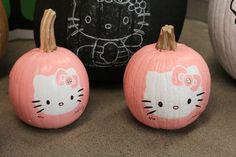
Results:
222 28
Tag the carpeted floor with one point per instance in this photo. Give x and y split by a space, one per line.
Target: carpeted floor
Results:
107 127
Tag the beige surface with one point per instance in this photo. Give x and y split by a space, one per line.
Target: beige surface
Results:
108 129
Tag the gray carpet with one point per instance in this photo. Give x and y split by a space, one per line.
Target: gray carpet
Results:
107 127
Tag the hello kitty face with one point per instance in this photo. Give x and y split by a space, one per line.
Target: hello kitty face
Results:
102 15
106 33
174 94
57 94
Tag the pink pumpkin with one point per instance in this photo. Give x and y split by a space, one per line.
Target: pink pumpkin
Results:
167 85
49 85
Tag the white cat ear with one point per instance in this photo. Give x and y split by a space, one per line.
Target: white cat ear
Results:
71 71
151 77
193 70
36 82
40 80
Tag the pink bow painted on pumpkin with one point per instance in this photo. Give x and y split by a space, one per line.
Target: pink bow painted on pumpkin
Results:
62 78
181 77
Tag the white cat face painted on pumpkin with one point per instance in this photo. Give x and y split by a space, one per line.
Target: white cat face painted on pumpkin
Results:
57 94
174 94
105 33
88 21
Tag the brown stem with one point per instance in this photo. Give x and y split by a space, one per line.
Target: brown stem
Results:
166 39
47 36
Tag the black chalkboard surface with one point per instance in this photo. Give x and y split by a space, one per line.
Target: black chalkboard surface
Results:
106 33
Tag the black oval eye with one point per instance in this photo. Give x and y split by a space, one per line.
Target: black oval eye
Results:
72 97
160 104
48 102
189 101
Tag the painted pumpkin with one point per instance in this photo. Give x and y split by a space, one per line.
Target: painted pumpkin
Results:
106 33
49 85
222 28
167 85
3 29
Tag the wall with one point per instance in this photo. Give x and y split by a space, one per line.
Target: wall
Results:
198 9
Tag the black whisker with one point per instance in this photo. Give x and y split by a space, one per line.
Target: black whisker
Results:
40 111
197 105
148 107
81 95
200 100
35 101
37 106
146 101
200 93
79 100
151 112
80 89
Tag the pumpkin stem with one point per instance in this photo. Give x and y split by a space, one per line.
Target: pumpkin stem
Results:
166 39
47 36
